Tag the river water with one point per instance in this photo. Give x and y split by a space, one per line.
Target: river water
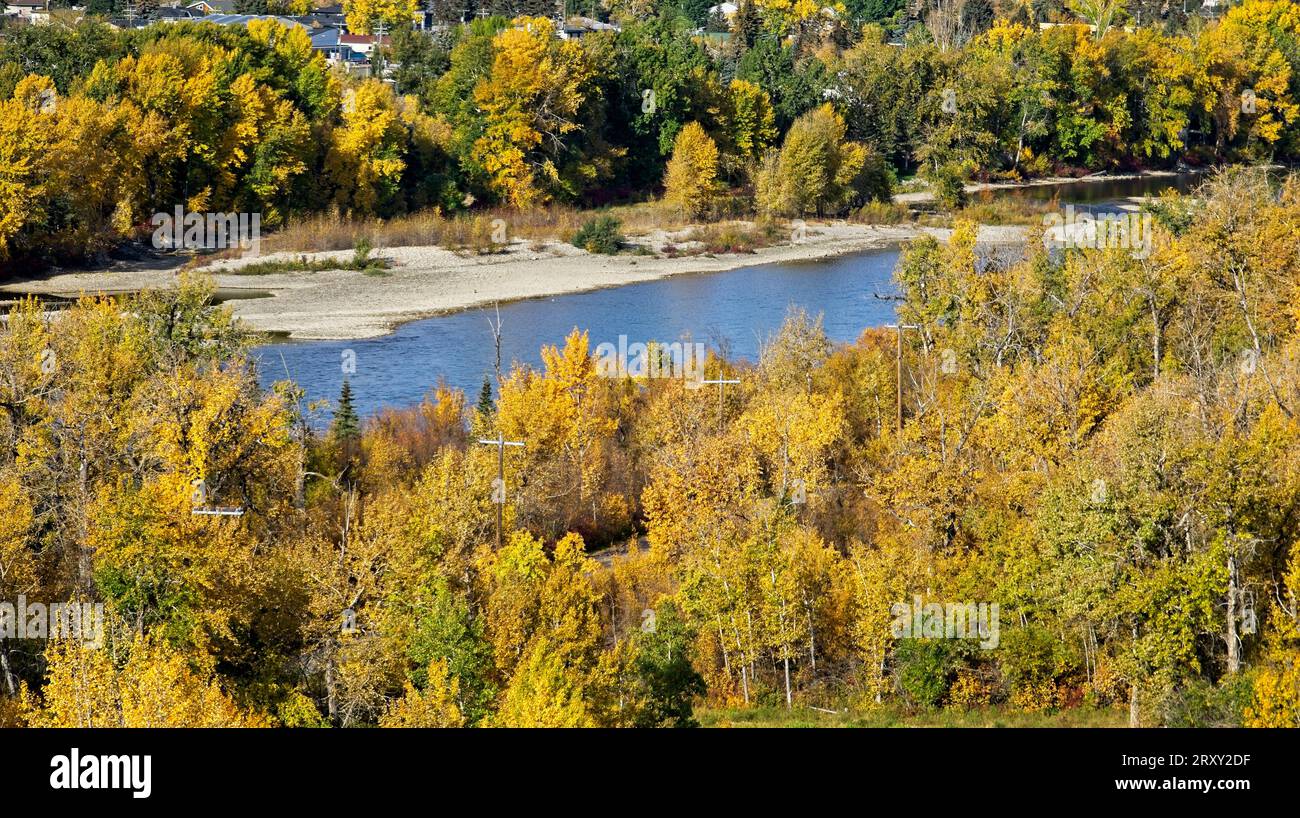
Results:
733 311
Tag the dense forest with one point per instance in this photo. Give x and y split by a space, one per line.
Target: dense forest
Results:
1102 444
793 109
1105 446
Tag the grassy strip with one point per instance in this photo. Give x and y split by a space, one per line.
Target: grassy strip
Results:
361 262
992 716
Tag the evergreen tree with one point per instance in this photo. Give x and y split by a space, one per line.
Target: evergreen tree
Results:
486 406
346 425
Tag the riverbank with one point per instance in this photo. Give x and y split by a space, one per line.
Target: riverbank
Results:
422 282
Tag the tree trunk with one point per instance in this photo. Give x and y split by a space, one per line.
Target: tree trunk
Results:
85 561
10 685
1155 338
788 699
331 689
1234 644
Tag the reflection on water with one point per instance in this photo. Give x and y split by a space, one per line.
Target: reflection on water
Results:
733 311
1083 192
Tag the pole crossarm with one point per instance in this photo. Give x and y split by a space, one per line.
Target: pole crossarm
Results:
722 384
219 511
501 443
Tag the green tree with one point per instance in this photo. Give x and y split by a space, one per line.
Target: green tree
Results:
668 682
346 425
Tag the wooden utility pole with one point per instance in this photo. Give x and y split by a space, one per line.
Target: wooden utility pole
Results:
202 509
898 371
499 490
722 384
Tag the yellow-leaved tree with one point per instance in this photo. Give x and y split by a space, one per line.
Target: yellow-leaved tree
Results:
530 101
365 16
692 172
365 159
155 688
25 135
435 706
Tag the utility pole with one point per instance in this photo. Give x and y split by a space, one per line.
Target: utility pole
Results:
722 384
378 56
898 371
499 488
202 509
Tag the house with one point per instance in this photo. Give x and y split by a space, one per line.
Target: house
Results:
327 42
242 20
364 43
168 14
577 27
127 22
322 19
213 7
27 9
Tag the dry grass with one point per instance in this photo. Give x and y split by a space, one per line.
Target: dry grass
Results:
736 237
1008 209
479 232
883 213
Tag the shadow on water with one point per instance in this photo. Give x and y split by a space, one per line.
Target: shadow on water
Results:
1103 191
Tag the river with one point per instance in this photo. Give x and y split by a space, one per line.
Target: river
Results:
734 311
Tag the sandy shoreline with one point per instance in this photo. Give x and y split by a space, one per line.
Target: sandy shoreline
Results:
428 281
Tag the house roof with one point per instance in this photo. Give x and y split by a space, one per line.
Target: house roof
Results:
242 19
587 24
318 20
363 39
325 37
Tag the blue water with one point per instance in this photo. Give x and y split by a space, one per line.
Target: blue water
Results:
731 311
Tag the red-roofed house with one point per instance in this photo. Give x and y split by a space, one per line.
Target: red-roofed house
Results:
364 43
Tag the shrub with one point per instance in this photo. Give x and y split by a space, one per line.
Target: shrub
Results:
948 182
1202 704
883 213
361 254
921 670
600 235
971 690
